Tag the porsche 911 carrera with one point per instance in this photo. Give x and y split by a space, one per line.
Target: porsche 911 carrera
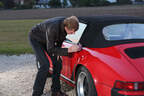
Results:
111 62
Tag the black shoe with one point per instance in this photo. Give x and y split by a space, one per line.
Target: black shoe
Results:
59 93
36 93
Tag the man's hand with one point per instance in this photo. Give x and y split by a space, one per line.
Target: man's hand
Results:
74 48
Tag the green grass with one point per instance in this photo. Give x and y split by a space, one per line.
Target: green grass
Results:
14 36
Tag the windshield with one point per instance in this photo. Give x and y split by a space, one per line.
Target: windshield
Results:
124 31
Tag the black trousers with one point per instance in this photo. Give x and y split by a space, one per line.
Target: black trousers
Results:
43 71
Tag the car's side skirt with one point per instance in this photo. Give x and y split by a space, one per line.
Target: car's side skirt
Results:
64 77
73 82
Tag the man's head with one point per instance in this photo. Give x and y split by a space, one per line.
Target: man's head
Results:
71 24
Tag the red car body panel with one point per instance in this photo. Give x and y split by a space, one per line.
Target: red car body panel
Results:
138 63
106 65
132 93
106 60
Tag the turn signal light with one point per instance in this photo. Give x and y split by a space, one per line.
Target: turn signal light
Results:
129 86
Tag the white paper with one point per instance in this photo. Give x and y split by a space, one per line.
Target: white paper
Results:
76 37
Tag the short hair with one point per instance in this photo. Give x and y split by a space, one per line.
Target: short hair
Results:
71 22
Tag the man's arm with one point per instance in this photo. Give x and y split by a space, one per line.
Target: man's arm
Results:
51 47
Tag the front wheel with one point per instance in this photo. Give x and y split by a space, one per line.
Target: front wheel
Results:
84 83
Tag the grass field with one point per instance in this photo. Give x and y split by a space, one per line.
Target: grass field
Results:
14 36
15 24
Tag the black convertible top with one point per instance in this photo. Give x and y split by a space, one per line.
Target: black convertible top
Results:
93 37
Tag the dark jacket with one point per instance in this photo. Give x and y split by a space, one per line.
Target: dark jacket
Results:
51 32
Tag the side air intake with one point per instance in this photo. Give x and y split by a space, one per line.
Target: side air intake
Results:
135 52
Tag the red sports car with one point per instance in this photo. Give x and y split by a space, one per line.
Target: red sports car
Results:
111 62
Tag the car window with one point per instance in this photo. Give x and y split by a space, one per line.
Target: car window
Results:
124 31
76 37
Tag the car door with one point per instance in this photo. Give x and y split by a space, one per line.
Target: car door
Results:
67 62
70 60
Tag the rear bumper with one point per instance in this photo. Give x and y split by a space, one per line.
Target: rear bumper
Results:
115 92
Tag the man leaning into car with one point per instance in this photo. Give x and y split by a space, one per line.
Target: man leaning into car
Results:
48 37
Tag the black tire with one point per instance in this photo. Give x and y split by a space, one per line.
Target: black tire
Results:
84 81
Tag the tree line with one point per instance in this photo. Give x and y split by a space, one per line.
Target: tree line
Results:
9 4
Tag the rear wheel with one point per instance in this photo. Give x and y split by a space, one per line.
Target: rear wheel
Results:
84 83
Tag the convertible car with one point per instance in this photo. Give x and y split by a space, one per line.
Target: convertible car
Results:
111 62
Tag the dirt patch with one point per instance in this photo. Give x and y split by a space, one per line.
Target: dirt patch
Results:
17 75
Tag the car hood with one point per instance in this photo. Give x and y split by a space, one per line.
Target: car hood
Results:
134 53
